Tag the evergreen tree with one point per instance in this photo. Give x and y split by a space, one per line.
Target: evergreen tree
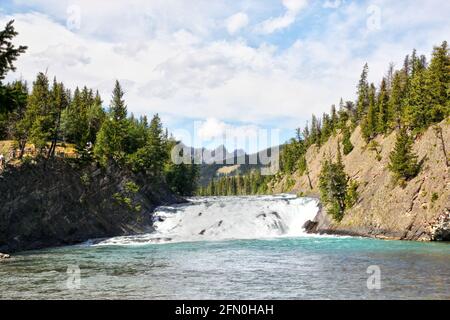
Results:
60 102
95 118
8 52
390 77
11 96
334 119
182 178
112 135
333 182
416 110
403 162
342 115
396 101
38 121
363 94
118 109
153 156
13 99
369 123
74 121
384 116
438 84
327 128
315 135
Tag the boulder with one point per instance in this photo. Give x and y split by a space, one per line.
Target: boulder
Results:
310 226
4 256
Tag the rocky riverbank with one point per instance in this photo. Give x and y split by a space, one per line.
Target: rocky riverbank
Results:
419 210
60 202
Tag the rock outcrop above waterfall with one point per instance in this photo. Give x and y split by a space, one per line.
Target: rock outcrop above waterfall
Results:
420 210
53 203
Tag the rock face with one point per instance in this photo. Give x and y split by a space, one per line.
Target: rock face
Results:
57 203
418 211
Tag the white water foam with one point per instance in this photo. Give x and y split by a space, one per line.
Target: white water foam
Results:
226 218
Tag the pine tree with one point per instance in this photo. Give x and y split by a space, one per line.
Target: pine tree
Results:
438 84
95 118
153 156
37 122
118 109
343 116
327 128
384 116
8 52
369 123
74 121
396 101
334 119
363 94
333 182
111 139
417 102
59 102
182 178
315 134
403 162
390 77
13 101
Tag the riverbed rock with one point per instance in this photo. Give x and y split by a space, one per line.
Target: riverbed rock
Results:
385 209
4 256
61 202
310 226
440 231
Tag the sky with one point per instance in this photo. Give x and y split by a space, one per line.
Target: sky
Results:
240 67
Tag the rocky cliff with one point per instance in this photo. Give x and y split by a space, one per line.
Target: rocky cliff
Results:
419 210
54 203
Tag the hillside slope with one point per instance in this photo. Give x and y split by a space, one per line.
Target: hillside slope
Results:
418 211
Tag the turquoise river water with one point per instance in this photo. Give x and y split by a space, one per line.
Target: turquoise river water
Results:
232 248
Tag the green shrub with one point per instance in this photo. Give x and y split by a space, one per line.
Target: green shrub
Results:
434 197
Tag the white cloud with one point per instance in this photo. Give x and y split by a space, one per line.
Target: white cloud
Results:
214 132
295 5
278 23
236 22
213 128
177 65
332 4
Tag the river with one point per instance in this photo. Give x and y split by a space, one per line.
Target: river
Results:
232 248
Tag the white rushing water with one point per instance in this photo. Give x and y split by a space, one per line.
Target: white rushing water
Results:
225 218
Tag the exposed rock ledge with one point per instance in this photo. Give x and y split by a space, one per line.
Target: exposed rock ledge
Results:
322 224
54 203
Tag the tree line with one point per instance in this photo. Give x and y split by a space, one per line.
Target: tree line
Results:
250 184
50 114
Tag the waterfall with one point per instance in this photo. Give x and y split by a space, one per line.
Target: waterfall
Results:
225 218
